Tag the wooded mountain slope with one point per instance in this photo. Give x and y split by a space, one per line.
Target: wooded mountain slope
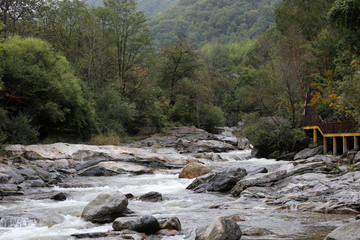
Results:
202 21
150 7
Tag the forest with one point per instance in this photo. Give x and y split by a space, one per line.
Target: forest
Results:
78 71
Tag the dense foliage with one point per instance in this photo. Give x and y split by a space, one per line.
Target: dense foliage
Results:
201 21
149 7
83 71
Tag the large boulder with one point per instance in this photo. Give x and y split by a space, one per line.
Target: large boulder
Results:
105 208
349 231
193 170
218 181
309 152
146 224
222 229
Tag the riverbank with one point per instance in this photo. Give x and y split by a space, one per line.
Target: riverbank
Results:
302 199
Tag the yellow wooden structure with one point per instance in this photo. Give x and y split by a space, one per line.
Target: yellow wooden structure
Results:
347 139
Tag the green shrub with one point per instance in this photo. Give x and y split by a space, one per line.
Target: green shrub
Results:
20 130
273 134
184 110
113 112
211 117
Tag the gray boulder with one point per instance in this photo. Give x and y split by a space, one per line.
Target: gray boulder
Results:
349 231
244 144
170 223
105 208
218 181
146 224
121 224
309 152
97 171
222 229
61 196
357 157
151 197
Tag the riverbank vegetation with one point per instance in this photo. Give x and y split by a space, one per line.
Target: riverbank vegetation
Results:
71 71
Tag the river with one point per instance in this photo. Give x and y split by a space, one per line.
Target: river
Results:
58 220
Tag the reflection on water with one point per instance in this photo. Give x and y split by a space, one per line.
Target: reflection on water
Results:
58 220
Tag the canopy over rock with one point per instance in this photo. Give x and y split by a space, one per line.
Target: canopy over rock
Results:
105 208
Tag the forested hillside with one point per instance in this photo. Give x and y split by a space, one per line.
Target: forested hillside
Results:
150 7
71 72
202 21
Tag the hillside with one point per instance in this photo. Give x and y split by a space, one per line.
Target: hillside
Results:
150 7
203 20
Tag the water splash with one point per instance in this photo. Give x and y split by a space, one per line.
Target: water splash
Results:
16 222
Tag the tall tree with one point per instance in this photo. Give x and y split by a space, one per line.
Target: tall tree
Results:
179 62
131 37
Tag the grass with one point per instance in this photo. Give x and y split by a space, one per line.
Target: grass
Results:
105 139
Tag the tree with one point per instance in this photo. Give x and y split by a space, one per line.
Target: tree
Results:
40 84
131 37
178 63
13 11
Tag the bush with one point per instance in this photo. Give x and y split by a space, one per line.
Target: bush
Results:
113 112
273 134
21 131
110 138
211 117
184 110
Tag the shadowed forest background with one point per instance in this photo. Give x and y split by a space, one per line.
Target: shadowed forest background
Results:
102 71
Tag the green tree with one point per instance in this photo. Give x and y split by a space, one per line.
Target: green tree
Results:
131 37
39 83
178 62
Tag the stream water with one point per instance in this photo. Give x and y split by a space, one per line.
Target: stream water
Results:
58 220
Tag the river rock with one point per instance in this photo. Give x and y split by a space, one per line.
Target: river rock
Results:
209 146
59 197
170 223
146 224
120 223
151 197
105 208
357 157
97 171
349 231
218 181
309 152
126 234
167 232
193 170
254 231
244 144
222 229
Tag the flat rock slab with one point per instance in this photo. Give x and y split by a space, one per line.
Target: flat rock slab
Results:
349 231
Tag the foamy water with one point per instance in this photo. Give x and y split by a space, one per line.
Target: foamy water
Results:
58 220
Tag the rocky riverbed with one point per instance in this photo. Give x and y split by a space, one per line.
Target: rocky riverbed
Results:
56 191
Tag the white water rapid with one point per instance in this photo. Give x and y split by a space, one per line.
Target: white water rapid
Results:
33 218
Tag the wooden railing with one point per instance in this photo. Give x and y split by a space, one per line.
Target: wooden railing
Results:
331 127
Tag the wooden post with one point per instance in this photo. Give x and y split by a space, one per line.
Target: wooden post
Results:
345 145
356 143
325 146
334 146
315 136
